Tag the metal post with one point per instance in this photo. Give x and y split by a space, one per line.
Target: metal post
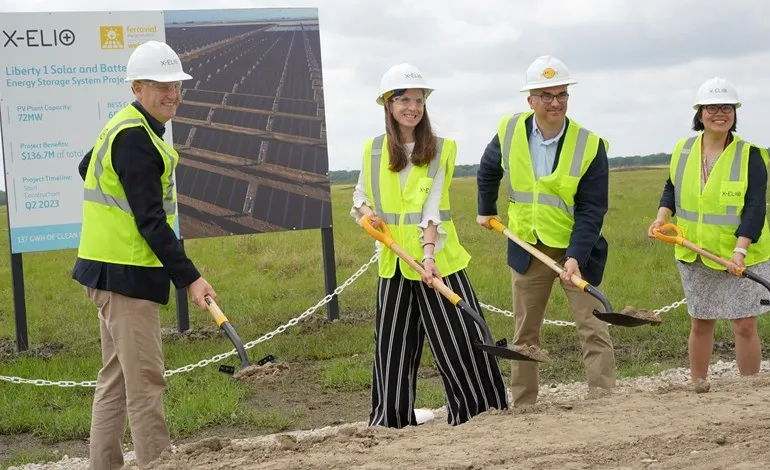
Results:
19 303
330 270
182 310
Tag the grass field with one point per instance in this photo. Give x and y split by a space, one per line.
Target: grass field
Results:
263 281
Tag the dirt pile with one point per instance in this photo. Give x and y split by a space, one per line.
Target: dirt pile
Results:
669 427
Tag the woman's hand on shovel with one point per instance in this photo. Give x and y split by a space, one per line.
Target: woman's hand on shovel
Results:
431 271
365 210
736 264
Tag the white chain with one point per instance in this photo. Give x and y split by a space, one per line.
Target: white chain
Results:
281 329
670 307
218 357
507 313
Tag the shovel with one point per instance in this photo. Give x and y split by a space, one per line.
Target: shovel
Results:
488 345
227 328
678 239
629 316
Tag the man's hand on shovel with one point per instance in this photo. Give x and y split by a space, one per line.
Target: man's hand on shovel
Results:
570 267
198 291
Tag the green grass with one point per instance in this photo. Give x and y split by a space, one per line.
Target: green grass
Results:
19 459
265 280
353 374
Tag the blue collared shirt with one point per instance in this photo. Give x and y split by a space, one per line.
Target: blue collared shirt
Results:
543 152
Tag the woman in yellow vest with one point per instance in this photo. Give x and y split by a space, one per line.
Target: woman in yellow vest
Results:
716 188
405 181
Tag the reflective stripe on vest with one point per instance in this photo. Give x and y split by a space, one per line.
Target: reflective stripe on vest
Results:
392 218
732 217
545 199
98 196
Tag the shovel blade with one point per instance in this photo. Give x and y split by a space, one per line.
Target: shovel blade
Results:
503 352
620 319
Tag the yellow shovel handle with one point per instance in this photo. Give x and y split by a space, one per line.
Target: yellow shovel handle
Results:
676 239
215 311
383 236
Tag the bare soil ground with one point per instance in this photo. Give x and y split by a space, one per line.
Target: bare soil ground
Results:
669 427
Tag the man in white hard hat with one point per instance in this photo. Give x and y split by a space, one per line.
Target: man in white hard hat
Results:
556 172
129 254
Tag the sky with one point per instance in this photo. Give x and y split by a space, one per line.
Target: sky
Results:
638 63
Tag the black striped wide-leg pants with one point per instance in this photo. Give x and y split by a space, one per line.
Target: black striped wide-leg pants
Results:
407 311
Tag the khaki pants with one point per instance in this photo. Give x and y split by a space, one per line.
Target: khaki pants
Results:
130 382
531 292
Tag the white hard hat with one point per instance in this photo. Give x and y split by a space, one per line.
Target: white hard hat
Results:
154 60
547 71
400 77
716 90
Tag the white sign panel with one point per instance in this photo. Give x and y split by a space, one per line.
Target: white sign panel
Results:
62 79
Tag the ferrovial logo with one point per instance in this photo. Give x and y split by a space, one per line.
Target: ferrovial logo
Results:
111 37
38 38
141 29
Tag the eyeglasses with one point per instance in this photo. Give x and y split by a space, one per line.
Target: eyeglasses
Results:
547 97
165 87
406 101
713 108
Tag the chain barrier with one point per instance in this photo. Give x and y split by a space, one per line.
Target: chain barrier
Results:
507 313
281 329
218 357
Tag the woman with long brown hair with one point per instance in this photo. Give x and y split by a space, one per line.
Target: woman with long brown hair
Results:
405 181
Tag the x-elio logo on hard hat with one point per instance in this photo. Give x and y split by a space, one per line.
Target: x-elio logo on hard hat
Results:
718 90
548 72
167 62
412 75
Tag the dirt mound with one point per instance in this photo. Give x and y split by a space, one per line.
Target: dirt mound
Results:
174 335
43 351
270 372
634 428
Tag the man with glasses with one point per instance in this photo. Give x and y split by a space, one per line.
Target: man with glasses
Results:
557 174
129 254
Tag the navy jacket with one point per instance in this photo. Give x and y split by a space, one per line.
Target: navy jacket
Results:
586 245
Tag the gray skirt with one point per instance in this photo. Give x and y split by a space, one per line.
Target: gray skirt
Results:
714 295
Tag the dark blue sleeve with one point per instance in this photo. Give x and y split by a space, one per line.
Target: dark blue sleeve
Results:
488 178
83 166
667 199
754 203
591 202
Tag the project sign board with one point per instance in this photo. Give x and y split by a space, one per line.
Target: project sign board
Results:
63 78
250 132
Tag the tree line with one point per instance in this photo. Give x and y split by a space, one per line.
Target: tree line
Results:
461 171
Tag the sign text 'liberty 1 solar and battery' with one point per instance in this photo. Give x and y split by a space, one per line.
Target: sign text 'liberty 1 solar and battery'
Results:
250 131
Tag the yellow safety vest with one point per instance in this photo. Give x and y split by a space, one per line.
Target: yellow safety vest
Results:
109 231
710 217
544 208
402 210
